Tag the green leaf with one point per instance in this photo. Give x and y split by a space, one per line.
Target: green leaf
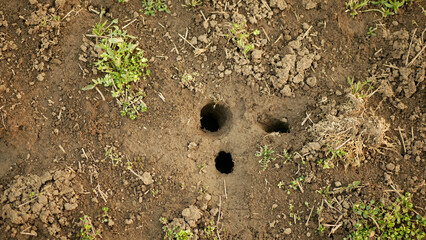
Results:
88 87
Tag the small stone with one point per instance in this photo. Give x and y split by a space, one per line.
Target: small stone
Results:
287 231
337 184
312 81
214 211
345 204
2 88
110 222
128 221
147 179
338 93
69 206
194 41
221 67
298 79
274 206
390 166
256 55
228 72
32 2
203 38
191 213
286 91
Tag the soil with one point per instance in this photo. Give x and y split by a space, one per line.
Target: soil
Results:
190 160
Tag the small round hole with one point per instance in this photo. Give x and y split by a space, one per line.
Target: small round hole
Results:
275 125
213 117
224 163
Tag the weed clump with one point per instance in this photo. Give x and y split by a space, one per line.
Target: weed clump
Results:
352 130
151 7
385 7
397 221
124 63
239 34
265 155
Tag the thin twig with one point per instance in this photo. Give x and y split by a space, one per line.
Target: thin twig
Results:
306 33
218 216
103 195
418 54
409 48
402 139
25 203
343 144
309 217
137 175
307 118
278 39
134 20
202 14
267 37
224 186
99 91
266 5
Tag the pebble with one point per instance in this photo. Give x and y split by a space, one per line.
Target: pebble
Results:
287 231
147 179
390 166
312 81
337 184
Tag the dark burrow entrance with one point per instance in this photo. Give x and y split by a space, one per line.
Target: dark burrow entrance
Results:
275 125
213 117
224 163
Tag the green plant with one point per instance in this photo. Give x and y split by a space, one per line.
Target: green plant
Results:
31 195
114 155
294 184
286 155
122 1
240 35
385 7
397 221
124 64
177 233
372 31
265 155
87 231
105 215
151 7
193 3
357 88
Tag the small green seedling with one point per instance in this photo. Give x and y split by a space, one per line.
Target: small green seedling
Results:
105 215
294 184
87 231
115 156
151 7
31 195
177 233
240 35
372 31
265 155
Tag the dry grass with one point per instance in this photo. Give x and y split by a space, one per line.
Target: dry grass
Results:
356 130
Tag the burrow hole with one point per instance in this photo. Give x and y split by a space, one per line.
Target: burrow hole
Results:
224 163
276 125
213 117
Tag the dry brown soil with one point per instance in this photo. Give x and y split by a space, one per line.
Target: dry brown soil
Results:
54 135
